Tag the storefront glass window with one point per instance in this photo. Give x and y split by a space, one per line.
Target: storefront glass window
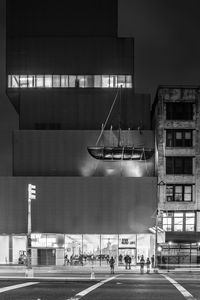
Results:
4 249
109 247
19 248
38 240
91 247
51 240
127 246
73 249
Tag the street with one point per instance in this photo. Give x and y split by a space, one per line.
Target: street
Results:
173 286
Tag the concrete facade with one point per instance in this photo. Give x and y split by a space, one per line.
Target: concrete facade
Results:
162 123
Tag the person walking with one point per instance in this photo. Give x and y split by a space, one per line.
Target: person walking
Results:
152 261
112 265
148 265
142 264
129 262
126 261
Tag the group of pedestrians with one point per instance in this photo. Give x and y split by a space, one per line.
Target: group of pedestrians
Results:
142 264
127 260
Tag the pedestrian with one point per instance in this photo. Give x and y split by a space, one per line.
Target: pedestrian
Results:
148 265
142 264
126 261
129 262
112 265
152 261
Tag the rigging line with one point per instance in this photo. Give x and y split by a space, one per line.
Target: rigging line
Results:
104 125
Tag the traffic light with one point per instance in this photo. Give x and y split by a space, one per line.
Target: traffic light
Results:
31 191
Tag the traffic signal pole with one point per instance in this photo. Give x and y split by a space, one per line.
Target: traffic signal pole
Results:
31 196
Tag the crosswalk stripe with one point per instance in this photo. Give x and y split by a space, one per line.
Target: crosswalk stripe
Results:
16 286
180 288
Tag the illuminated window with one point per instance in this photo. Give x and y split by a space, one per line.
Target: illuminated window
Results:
9 81
179 221
89 81
179 192
121 82
105 81
128 81
39 81
81 81
167 222
113 80
56 80
48 81
23 81
15 81
31 81
189 221
97 81
72 81
64 81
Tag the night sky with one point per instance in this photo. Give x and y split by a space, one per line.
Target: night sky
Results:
167 41
167 51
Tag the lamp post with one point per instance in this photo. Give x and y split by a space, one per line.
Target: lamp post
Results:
161 183
31 196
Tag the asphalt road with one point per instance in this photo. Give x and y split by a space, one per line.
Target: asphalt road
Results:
126 286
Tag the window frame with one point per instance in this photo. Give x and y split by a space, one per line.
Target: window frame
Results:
184 141
179 111
183 192
170 221
180 165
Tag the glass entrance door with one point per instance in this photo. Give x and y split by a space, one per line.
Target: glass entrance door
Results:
124 252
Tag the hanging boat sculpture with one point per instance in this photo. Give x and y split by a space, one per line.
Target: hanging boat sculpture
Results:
119 152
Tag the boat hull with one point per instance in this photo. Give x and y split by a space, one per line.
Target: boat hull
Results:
120 153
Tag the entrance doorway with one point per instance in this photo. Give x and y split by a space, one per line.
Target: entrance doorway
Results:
46 256
127 251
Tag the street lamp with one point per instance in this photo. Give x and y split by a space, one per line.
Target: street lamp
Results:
31 196
161 183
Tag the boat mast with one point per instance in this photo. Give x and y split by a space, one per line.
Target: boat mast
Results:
119 121
104 125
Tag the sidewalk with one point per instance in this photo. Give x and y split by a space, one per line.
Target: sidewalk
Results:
96 269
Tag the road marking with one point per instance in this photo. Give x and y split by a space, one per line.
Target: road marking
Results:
90 289
16 286
180 288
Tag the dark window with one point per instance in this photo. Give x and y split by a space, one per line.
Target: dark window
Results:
179 192
179 221
178 138
178 165
47 126
179 111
